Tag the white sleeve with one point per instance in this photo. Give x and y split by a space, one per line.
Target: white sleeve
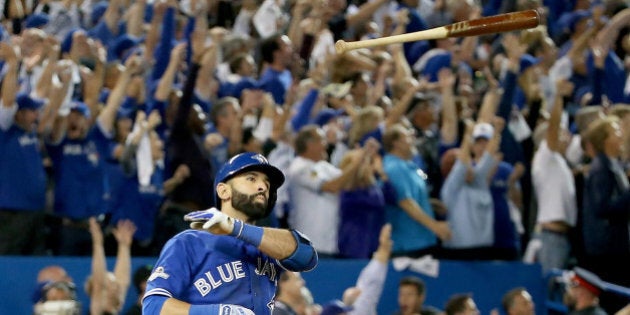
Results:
264 129
370 281
6 115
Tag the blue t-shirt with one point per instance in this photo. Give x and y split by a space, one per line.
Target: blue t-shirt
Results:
277 83
409 183
79 173
140 204
22 175
198 267
505 235
362 214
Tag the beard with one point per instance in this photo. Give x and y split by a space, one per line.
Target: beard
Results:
248 204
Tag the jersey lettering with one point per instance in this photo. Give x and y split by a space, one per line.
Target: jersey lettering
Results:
27 140
225 273
266 269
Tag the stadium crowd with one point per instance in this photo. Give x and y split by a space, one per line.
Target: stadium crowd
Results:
506 146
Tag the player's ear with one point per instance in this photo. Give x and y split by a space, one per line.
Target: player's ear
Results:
224 191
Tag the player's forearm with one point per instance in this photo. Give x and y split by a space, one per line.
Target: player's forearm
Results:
277 243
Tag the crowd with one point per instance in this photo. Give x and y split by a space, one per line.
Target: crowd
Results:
505 146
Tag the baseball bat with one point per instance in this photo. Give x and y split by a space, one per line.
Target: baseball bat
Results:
486 25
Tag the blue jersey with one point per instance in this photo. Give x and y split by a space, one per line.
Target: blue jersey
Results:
198 267
276 82
139 203
22 175
79 172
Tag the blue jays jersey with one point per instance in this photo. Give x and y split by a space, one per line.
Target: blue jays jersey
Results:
198 267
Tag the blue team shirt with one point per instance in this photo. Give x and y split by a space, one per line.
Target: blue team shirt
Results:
79 173
198 267
505 234
277 83
409 183
139 204
22 175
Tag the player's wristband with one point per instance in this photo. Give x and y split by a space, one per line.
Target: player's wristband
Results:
249 233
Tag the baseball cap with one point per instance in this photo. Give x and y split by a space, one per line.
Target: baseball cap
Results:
25 101
81 107
527 61
483 130
335 307
123 47
36 20
591 282
586 279
569 20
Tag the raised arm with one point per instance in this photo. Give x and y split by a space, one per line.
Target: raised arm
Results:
449 127
348 173
97 285
122 270
52 125
365 12
10 80
607 35
373 276
165 85
108 115
563 88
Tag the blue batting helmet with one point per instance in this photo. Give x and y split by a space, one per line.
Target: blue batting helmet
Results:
250 161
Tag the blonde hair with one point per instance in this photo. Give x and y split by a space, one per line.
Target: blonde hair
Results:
364 123
598 131
620 110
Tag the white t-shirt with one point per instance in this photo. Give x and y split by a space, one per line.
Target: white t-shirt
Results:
314 212
554 186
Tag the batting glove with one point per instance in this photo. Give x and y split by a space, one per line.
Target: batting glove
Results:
211 219
230 309
219 309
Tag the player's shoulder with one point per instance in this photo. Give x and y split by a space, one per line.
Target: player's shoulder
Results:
190 237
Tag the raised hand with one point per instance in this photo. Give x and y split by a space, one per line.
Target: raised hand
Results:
124 232
211 220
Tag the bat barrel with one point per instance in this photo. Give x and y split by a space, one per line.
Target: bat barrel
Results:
495 24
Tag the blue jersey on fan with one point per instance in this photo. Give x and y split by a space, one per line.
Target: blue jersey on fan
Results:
22 176
139 203
198 267
79 172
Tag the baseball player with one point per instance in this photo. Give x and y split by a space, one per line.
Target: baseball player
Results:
225 265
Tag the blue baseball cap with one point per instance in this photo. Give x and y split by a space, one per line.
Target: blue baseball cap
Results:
335 307
123 47
527 61
25 101
569 20
36 20
80 107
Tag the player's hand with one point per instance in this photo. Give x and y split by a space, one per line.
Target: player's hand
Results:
212 220
227 309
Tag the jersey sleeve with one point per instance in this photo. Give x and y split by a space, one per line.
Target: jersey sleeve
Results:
172 270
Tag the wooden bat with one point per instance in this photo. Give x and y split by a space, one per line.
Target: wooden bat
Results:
486 25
